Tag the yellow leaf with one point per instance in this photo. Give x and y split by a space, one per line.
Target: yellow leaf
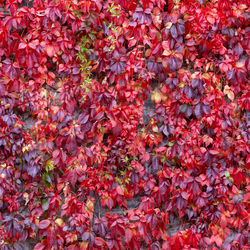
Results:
155 129
227 91
90 205
84 245
206 76
230 95
156 96
207 67
181 85
59 222
166 53
74 238
169 25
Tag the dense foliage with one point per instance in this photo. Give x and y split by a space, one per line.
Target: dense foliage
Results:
75 76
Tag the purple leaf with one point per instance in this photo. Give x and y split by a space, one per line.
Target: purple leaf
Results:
197 111
83 118
155 163
184 195
188 112
238 49
33 170
173 31
195 83
165 131
183 108
200 86
188 92
99 115
206 109
172 64
75 71
167 32
181 29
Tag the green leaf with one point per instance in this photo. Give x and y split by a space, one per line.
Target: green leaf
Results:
227 174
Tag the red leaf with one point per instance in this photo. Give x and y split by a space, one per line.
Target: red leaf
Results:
39 246
211 19
22 46
128 235
119 190
51 237
50 50
72 176
213 152
184 195
99 242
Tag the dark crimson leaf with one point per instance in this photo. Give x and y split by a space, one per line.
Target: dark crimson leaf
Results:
71 144
51 237
72 177
117 129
